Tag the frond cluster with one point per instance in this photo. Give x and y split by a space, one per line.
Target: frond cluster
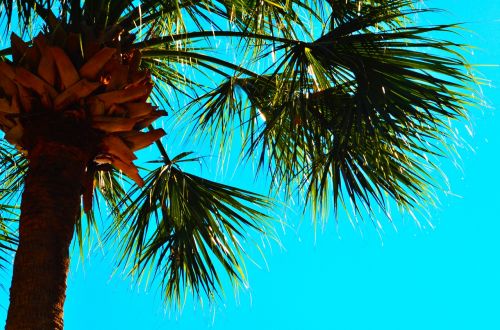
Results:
341 102
182 228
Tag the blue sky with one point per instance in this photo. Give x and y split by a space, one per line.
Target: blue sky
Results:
446 277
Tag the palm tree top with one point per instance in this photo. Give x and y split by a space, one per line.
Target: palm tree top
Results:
341 102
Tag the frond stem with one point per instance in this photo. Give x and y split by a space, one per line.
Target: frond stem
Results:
191 35
160 147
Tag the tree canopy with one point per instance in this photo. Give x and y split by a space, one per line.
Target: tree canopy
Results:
342 103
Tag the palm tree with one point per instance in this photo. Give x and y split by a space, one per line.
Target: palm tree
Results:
337 101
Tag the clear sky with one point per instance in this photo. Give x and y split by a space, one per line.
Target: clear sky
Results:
446 277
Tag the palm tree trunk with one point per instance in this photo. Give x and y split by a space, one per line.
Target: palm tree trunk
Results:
50 206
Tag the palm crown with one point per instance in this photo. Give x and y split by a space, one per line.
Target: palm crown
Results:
340 101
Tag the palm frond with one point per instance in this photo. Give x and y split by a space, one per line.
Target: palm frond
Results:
185 230
9 217
109 193
356 15
13 167
354 114
22 9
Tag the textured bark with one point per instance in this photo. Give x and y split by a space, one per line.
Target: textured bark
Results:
49 209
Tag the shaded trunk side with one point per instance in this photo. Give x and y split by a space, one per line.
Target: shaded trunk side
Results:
49 208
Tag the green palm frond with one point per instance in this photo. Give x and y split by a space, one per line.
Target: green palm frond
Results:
357 15
9 217
357 113
11 8
270 17
184 229
166 64
13 167
109 193
277 18
156 18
